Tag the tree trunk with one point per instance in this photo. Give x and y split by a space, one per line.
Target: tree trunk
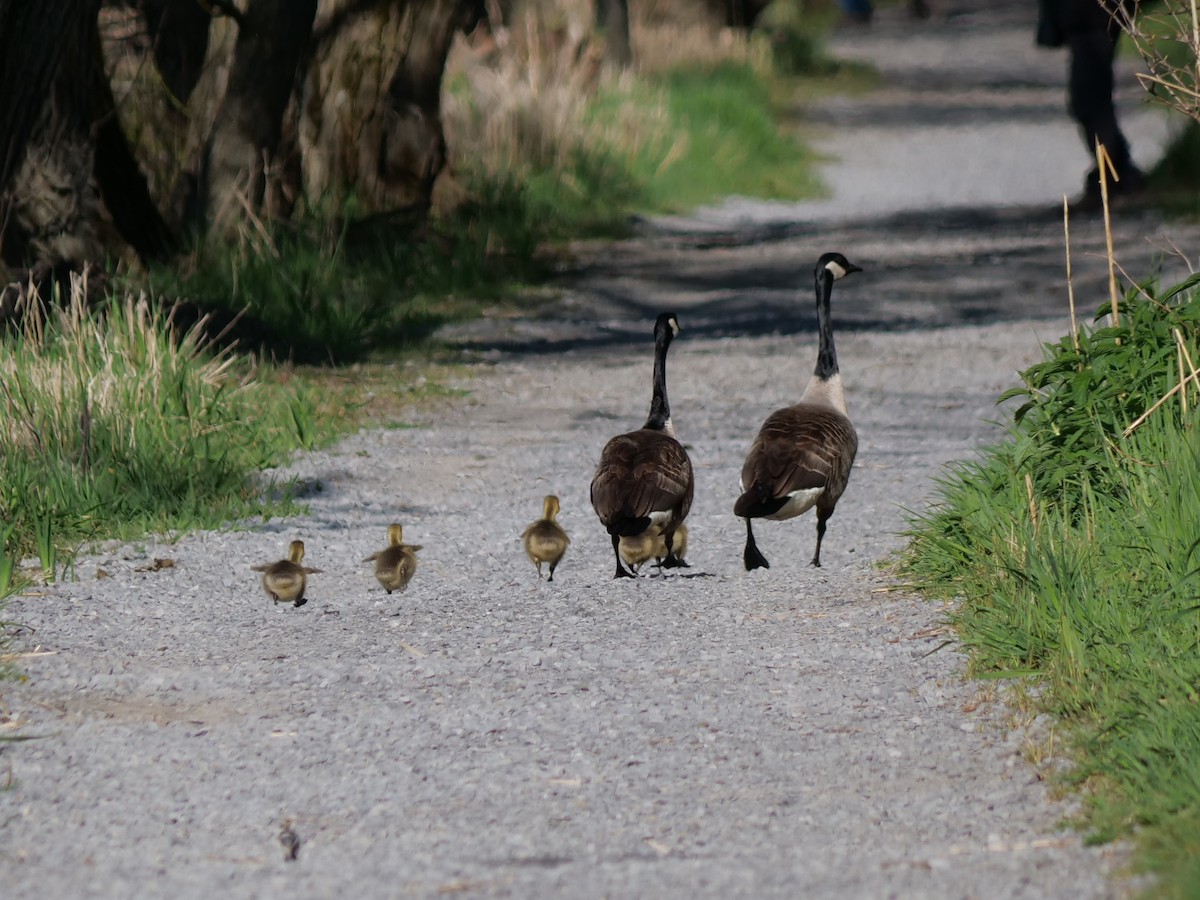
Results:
179 31
34 38
736 13
612 21
121 180
370 120
51 209
273 38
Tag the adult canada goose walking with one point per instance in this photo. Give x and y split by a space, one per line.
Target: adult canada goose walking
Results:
545 541
285 581
645 477
396 563
803 453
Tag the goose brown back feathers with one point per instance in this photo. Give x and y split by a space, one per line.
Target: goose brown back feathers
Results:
805 447
640 474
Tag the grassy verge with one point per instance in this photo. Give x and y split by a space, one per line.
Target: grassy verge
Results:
111 426
697 120
321 293
1074 551
115 425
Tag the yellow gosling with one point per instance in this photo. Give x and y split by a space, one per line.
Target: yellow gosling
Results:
285 581
545 540
396 564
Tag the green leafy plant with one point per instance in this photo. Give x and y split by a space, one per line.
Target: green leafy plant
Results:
1072 550
43 536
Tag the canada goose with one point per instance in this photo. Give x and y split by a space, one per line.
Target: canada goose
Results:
803 453
636 550
285 580
645 477
545 540
396 564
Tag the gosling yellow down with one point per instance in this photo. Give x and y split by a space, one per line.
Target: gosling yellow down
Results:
285 581
650 544
545 540
396 564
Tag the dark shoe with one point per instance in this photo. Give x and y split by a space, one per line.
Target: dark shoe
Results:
856 20
1131 182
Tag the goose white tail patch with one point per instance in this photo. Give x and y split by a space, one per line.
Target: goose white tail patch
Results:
659 517
798 502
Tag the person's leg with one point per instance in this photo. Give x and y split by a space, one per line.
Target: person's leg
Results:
856 10
1090 92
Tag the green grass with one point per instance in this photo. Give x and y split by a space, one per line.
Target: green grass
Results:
1074 553
717 133
11 581
734 144
112 425
316 292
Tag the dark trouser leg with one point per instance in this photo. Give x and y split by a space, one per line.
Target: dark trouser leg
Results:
1090 92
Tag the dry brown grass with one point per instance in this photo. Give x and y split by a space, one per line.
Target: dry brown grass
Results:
532 84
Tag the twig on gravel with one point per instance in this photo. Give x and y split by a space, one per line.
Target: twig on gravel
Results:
942 646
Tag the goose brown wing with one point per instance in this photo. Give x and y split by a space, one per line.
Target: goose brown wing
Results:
799 447
640 473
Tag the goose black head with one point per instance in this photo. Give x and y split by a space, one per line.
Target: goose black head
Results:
836 265
666 326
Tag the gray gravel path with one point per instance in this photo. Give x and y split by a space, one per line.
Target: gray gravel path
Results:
786 733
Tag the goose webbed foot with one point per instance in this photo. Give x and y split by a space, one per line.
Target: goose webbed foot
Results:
673 562
621 571
300 601
752 558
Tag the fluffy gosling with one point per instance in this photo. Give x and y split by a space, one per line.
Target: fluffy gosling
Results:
545 541
637 550
285 581
396 564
